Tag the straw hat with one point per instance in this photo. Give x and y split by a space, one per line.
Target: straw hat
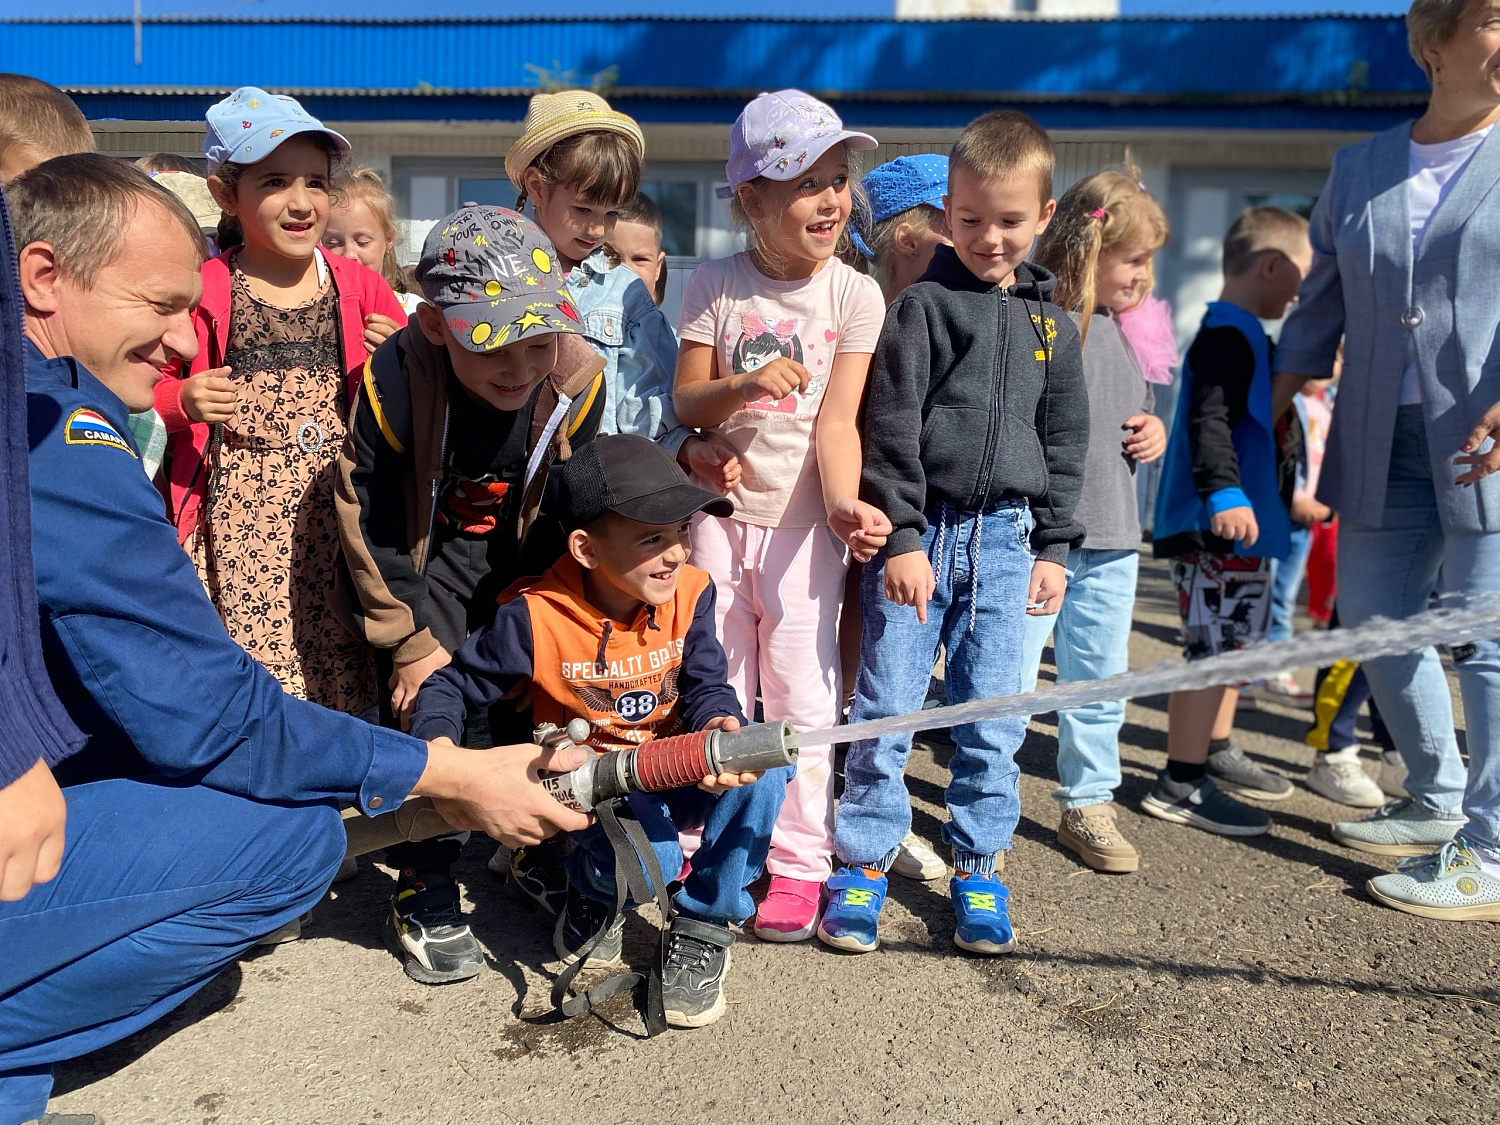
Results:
193 191
554 117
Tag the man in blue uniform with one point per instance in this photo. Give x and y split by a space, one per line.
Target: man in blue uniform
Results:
202 811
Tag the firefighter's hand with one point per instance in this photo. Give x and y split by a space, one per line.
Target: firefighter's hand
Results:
499 791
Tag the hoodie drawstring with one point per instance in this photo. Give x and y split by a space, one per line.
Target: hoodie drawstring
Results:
937 554
601 662
651 618
974 541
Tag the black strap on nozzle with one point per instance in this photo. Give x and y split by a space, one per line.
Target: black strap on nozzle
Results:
638 876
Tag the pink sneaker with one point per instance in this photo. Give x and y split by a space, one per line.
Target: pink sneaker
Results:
789 912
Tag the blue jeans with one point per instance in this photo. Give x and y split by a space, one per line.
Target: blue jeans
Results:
161 887
1091 641
736 836
977 613
1287 584
1391 570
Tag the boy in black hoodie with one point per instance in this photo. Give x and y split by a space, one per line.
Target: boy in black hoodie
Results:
976 431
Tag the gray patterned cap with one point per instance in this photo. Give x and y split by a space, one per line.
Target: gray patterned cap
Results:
496 277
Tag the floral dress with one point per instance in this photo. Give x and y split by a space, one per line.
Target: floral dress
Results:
271 554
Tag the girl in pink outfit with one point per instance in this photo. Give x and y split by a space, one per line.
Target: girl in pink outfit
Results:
776 345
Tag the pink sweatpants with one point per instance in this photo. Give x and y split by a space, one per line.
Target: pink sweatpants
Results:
779 594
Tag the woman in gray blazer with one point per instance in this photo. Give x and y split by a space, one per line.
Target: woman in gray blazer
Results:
1407 272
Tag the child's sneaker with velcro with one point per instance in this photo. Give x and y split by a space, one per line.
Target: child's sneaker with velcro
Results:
851 920
981 917
695 961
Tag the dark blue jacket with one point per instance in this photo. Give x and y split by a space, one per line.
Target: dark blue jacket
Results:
33 725
134 647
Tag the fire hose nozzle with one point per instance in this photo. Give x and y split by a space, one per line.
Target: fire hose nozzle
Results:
670 763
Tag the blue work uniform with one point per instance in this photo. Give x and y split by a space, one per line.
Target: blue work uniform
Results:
205 813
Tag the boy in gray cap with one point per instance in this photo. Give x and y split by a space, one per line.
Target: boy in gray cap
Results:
443 503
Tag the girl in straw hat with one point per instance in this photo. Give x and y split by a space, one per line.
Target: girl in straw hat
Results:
579 163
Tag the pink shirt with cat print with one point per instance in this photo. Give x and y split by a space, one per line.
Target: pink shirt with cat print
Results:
751 320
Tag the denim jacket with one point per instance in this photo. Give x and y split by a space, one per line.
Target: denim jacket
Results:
639 348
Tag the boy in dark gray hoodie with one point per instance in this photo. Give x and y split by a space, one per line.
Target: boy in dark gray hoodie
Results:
976 429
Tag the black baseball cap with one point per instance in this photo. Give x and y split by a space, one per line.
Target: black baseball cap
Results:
634 477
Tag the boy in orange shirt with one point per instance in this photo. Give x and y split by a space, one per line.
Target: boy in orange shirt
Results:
620 632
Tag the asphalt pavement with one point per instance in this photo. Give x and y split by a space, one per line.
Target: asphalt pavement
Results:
1234 981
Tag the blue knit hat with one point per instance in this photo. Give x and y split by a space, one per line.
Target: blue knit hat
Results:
901 184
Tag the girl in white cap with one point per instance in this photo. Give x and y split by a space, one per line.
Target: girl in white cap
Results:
776 346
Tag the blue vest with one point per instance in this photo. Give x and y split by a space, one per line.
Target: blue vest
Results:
1179 508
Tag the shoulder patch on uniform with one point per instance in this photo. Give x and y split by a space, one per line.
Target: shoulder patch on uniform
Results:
87 426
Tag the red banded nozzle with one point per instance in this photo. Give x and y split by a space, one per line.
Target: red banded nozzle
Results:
671 763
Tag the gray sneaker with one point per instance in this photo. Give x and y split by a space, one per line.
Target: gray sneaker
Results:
1393 774
694 965
1234 772
1202 805
1399 828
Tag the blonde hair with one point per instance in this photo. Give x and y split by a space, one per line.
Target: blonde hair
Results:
1099 213
1431 23
774 195
1258 230
1005 145
881 238
39 116
603 167
366 186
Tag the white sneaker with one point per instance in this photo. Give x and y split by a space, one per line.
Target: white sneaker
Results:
915 860
1284 688
1392 773
1451 886
1343 779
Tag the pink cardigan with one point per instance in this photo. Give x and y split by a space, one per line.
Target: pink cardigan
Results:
361 292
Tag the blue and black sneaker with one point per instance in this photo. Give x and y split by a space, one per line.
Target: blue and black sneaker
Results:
982 924
852 918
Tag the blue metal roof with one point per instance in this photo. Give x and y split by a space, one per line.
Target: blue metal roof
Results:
1320 72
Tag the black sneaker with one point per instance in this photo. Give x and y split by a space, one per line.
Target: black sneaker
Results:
581 918
1236 773
1201 804
693 971
540 873
426 929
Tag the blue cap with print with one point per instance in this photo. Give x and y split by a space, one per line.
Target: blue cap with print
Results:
250 124
899 185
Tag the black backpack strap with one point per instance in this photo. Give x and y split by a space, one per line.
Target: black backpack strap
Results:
636 875
388 394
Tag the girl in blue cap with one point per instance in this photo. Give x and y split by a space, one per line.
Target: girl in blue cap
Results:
257 425
906 221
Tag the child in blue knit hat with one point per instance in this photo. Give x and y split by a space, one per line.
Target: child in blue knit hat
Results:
905 223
